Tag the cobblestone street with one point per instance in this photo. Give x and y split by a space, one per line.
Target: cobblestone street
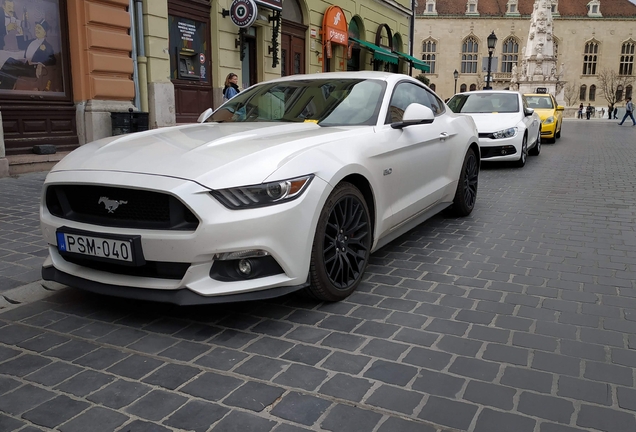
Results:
519 318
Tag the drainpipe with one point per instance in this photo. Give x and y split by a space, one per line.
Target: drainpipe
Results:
411 35
142 60
134 53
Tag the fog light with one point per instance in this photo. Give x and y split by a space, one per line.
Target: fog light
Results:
245 267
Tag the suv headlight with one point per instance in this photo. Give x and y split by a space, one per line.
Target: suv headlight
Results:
506 133
549 120
245 197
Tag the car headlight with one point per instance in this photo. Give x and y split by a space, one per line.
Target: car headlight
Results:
506 133
549 120
245 197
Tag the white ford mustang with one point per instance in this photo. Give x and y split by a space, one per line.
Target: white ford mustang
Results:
508 129
289 185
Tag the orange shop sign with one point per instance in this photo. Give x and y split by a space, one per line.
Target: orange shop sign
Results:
334 26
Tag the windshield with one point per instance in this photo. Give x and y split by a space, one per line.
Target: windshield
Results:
328 102
539 102
485 103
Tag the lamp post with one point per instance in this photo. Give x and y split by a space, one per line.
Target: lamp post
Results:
455 75
492 41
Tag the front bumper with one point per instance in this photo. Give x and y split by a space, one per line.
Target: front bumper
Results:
504 149
285 231
548 130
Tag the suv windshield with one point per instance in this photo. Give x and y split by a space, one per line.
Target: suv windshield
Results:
328 102
539 102
484 103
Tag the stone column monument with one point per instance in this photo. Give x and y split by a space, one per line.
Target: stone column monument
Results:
538 66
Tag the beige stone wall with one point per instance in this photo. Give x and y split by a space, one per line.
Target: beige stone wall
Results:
572 35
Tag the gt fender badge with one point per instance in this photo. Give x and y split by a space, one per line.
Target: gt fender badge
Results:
111 205
388 171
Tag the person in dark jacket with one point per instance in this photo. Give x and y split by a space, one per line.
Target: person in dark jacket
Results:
589 111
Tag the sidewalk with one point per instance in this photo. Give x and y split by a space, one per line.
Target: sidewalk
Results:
22 249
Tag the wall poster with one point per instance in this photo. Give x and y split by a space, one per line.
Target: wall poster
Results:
31 60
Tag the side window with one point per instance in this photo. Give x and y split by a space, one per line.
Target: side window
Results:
436 104
405 94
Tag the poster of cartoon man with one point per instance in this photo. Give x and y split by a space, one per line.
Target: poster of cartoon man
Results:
32 63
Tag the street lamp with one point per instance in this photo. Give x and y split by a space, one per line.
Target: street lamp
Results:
492 41
455 75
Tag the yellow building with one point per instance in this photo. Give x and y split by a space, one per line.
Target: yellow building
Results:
590 36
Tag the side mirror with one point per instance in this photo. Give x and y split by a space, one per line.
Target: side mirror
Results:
560 108
205 115
415 114
528 112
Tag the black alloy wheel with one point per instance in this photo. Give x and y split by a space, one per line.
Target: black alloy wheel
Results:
524 153
537 147
342 245
466 193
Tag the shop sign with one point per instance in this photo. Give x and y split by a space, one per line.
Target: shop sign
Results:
334 26
243 12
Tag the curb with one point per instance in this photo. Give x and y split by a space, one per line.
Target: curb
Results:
29 293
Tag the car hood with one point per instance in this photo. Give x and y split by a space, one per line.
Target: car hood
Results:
492 122
212 154
545 113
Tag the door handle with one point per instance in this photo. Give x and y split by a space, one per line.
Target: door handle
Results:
443 136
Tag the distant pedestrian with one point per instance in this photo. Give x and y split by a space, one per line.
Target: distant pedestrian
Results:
231 88
629 112
581 111
588 111
602 112
616 112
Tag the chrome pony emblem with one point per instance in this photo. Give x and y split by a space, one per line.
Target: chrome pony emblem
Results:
111 205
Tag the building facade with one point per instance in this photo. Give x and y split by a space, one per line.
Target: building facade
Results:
590 38
66 65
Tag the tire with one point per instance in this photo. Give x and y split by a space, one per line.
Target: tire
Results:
558 134
342 245
536 150
524 153
466 193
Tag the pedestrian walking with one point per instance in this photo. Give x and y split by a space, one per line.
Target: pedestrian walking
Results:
231 88
602 112
616 112
588 111
581 111
629 112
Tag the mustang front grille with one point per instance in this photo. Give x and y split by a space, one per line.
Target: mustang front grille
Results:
119 207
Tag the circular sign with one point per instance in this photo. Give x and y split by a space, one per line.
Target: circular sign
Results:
243 12
202 58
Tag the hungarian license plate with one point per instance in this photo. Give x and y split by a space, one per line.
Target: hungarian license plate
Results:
99 247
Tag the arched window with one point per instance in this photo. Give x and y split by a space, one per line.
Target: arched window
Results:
473 87
619 93
592 93
626 66
429 53
628 91
462 88
509 54
590 57
470 48
582 92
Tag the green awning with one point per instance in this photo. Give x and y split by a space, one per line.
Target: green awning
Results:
379 53
417 63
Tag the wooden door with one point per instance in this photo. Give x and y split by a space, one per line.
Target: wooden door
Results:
189 28
292 54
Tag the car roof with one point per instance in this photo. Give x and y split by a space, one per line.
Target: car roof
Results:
538 94
384 76
490 92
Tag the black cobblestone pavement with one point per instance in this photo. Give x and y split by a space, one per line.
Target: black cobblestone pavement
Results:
519 318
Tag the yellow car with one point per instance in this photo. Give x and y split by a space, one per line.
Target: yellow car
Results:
550 113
